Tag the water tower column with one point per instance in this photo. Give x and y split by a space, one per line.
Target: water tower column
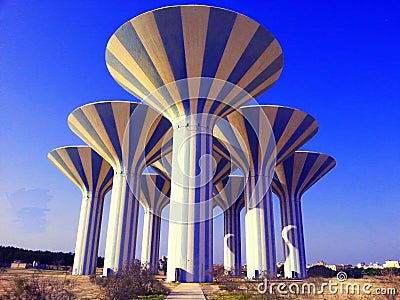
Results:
190 250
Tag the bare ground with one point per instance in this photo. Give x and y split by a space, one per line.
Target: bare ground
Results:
376 288
83 287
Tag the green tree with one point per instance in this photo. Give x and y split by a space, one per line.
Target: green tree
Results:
320 271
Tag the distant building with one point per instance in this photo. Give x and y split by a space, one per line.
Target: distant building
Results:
362 265
375 265
343 267
391 264
332 267
20 264
370 265
339 267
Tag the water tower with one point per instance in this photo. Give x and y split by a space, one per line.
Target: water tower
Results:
193 64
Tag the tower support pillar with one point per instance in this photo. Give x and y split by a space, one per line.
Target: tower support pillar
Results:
151 239
122 223
232 242
87 241
293 239
190 244
259 221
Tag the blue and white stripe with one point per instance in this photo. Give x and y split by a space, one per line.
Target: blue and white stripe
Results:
221 171
184 218
129 136
93 175
293 177
166 46
230 198
263 135
222 167
179 60
155 193
191 207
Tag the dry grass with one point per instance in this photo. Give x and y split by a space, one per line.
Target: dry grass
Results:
82 287
248 289
85 288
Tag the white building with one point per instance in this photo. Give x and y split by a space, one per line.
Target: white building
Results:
391 264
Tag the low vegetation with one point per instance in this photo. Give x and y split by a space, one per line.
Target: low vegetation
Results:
384 286
134 280
39 287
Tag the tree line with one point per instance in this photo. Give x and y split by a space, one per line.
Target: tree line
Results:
351 272
9 254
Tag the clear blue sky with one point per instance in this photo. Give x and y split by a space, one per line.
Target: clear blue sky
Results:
341 65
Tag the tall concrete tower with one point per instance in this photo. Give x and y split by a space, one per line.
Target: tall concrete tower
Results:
230 197
93 175
293 177
154 197
269 134
193 64
129 136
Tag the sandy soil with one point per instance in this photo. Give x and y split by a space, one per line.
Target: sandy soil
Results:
376 288
82 286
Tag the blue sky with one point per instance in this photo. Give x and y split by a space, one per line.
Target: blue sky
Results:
341 65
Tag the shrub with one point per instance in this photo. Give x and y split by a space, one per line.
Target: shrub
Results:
36 287
223 278
320 271
132 281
